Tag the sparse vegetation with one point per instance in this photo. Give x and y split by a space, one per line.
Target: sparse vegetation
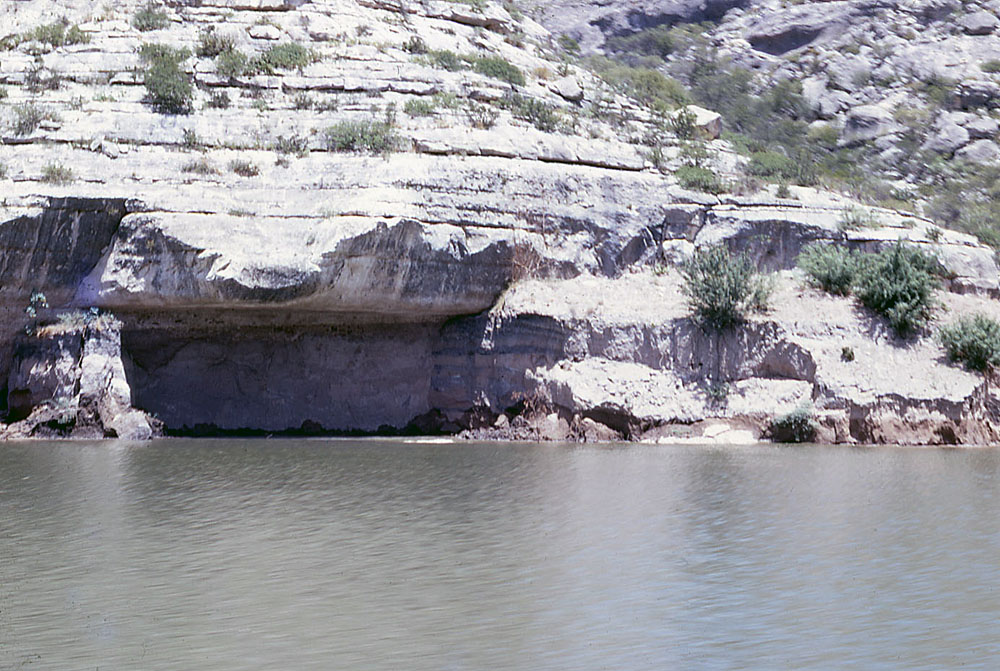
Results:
231 63
287 56
150 17
699 179
500 68
419 107
376 136
58 34
542 115
200 166
723 289
27 118
243 168
973 341
482 117
190 139
798 426
218 100
855 218
211 43
56 173
291 144
168 87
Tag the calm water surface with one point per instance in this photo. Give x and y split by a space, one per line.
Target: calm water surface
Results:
289 555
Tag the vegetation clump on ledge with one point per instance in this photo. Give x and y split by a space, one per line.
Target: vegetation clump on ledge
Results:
723 289
974 341
168 87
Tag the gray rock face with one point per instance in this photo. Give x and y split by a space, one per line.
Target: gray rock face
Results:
591 22
868 122
978 23
980 151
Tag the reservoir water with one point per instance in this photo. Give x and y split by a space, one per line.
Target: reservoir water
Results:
336 554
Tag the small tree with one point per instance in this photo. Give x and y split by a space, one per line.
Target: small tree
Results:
721 288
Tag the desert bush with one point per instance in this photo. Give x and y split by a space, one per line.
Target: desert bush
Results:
211 43
168 87
854 218
419 107
58 34
219 100
56 173
974 341
829 267
231 63
367 135
699 179
27 118
291 144
500 68
898 283
990 66
40 78
200 166
443 59
482 117
150 17
287 56
721 288
542 115
647 85
683 124
243 168
771 164
303 101
798 426
3 171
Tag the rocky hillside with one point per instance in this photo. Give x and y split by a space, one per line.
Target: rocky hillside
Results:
342 215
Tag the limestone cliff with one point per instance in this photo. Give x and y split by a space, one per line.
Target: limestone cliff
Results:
495 253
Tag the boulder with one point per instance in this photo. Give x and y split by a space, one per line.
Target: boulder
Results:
978 23
867 122
977 93
979 151
982 128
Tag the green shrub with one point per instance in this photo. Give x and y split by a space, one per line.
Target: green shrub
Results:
58 34
482 117
898 283
647 85
798 426
292 144
190 139
150 17
27 118
55 173
444 59
168 87
683 124
287 56
974 341
829 267
990 66
211 43
370 135
303 101
218 100
243 168
419 107
771 164
699 179
542 115
231 63
721 288
500 68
